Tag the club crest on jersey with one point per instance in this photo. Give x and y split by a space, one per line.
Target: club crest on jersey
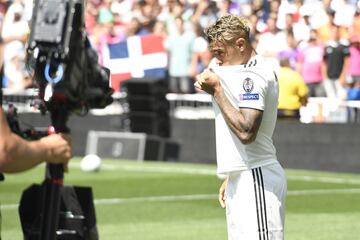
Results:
248 85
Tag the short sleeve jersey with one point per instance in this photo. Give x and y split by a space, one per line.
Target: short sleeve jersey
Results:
334 57
255 86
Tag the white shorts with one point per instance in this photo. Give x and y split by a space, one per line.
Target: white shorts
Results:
255 203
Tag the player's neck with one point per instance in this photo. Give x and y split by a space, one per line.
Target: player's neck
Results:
247 55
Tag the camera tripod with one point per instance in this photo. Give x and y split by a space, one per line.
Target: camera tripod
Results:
54 181
53 211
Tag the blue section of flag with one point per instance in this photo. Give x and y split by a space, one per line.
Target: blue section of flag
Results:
119 50
155 72
249 96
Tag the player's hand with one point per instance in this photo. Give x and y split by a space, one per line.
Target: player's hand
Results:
207 81
197 85
222 195
58 148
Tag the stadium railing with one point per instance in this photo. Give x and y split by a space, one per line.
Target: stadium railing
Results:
199 106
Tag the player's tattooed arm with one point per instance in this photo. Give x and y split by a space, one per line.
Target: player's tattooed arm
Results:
244 122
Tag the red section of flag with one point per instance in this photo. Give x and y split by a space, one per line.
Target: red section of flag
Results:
116 80
143 56
152 44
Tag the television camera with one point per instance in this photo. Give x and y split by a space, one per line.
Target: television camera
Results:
69 79
66 67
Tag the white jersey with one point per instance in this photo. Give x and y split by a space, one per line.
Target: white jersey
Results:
252 85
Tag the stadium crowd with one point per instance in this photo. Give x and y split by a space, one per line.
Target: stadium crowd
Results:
320 39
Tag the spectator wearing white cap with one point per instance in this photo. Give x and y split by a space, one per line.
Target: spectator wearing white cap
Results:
272 37
302 28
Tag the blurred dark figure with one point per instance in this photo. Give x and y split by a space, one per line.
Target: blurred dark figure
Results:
336 59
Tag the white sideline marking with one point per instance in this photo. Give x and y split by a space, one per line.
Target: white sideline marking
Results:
322 191
155 199
130 168
113 201
209 172
9 206
325 179
162 170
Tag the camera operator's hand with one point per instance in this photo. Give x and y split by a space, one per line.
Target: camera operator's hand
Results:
18 154
58 148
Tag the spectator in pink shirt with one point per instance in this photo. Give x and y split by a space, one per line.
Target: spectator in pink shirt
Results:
354 69
310 61
354 62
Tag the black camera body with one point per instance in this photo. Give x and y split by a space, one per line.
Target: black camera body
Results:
69 79
66 67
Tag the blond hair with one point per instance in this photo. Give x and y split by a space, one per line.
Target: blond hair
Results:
227 29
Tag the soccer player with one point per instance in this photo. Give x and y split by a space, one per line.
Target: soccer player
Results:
244 90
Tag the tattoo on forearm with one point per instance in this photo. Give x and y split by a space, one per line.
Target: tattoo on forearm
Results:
244 123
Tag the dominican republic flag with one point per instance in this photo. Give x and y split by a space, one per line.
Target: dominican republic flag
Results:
136 57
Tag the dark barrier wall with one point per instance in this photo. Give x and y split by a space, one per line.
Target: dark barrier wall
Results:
79 126
332 147
196 139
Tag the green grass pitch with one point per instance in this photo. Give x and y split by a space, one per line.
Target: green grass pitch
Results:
178 201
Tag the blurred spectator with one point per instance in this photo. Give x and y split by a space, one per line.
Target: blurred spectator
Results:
272 42
285 19
205 13
175 9
288 22
344 15
3 8
326 30
292 50
160 28
16 76
355 27
297 14
279 29
148 11
123 9
260 9
354 69
336 57
227 6
138 27
201 55
254 29
133 28
310 62
293 92
180 47
274 6
302 27
15 30
91 15
353 93
105 15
